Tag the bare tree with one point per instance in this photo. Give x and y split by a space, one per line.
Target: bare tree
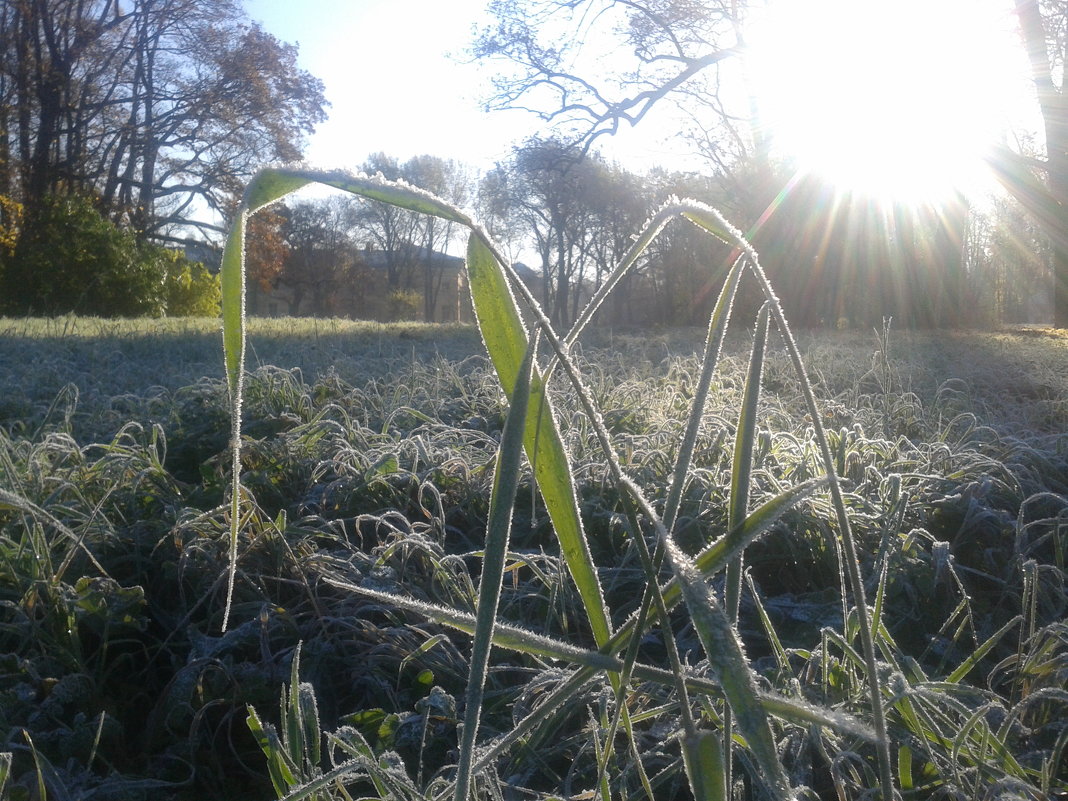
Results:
578 213
391 230
321 253
568 60
450 181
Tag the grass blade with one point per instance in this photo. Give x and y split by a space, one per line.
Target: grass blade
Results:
505 636
506 340
703 759
741 471
279 766
498 529
713 222
977 656
742 465
502 331
717 330
724 651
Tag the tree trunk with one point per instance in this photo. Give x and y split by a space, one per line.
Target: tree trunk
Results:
1054 108
1058 175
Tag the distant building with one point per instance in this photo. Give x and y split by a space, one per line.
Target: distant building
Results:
205 252
362 291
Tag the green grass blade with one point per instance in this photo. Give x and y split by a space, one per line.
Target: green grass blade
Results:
713 222
502 331
717 555
402 195
498 529
346 770
648 233
521 640
724 651
293 719
717 330
505 636
904 767
9 500
742 466
272 184
977 656
40 764
269 186
506 340
279 766
769 629
708 218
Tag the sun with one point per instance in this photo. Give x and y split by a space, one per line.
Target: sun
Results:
897 100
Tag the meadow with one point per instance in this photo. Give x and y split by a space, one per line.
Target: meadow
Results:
369 456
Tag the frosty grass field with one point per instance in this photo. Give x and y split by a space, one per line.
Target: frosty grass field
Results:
370 451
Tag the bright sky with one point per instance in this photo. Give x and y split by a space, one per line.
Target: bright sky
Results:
389 78
394 86
901 98
897 95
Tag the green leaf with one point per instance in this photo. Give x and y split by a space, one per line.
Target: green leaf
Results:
293 719
271 185
385 466
281 770
505 636
425 678
520 640
742 466
717 330
266 187
979 653
904 767
724 652
706 217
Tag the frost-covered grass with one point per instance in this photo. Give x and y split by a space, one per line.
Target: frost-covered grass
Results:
585 566
1015 380
370 453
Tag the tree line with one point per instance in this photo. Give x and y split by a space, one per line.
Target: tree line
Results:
312 248
836 260
569 216
548 57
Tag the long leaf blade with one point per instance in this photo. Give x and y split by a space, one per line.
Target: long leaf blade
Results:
498 529
506 340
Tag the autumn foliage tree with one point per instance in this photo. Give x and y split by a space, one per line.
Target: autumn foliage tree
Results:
161 109
266 249
158 111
